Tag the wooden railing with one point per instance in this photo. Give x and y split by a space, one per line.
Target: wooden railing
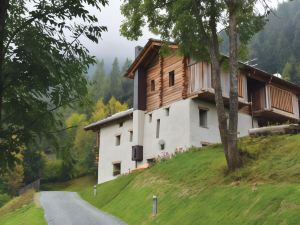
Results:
281 99
200 78
271 97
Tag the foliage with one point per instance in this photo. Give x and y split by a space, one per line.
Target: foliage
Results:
42 60
276 46
52 171
33 162
76 184
4 198
113 84
12 180
77 150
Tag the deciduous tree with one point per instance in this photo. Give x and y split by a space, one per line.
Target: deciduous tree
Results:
193 25
42 60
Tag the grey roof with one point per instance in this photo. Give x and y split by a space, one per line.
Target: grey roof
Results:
114 117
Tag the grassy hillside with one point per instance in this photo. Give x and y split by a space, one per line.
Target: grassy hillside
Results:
22 210
194 187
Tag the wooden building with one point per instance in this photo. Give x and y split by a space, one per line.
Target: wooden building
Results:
174 108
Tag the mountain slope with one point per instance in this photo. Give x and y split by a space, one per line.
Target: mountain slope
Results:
193 187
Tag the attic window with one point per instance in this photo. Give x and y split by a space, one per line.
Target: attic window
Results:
152 85
171 78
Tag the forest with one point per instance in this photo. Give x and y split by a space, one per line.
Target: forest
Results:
64 150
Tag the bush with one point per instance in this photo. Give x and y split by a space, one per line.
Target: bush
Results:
3 199
52 171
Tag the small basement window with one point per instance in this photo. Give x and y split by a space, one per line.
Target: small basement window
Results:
151 161
150 118
203 117
171 78
167 111
116 169
152 85
157 128
118 140
130 135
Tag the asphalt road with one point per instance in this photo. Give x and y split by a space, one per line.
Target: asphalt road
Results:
67 208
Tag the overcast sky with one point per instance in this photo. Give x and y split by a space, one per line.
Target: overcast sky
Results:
112 43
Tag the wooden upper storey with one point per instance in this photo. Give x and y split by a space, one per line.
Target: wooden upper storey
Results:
173 78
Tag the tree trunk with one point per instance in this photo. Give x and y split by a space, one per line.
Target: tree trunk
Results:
3 16
234 157
216 80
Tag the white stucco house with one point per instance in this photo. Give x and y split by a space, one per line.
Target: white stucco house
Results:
174 109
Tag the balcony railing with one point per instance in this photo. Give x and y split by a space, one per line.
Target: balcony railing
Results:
273 99
200 80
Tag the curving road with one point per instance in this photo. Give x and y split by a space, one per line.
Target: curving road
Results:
67 208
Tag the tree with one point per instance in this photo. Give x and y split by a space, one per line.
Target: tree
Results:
99 83
41 64
272 54
114 81
193 26
127 85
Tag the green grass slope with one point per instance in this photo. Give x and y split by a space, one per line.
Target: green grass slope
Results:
22 210
194 187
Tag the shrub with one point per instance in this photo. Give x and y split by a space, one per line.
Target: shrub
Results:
3 199
52 171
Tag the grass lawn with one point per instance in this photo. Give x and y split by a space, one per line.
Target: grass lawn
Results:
195 188
22 210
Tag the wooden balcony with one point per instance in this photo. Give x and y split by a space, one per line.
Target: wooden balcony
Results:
200 84
273 103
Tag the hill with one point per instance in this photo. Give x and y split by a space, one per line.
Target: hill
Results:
23 210
194 188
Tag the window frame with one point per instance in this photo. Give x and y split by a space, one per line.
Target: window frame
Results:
116 171
157 128
172 78
167 111
130 135
152 85
202 110
150 117
118 140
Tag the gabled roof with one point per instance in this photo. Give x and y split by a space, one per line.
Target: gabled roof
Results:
117 116
153 46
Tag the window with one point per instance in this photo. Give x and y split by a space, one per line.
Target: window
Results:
116 169
157 128
152 85
150 118
118 140
167 111
171 78
203 117
121 124
151 161
130 135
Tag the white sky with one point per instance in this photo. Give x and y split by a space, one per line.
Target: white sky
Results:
113 44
